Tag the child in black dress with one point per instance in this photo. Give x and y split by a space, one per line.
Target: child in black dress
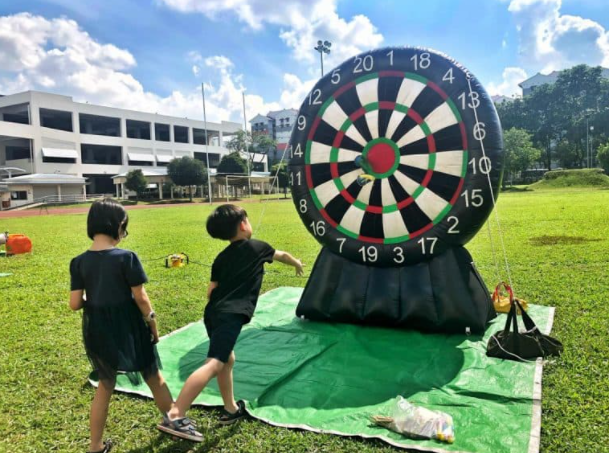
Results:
236 278
119 325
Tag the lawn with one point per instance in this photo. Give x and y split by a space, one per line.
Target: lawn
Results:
558 254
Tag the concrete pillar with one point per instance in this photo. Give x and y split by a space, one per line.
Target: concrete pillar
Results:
161 190
117 194
123 190
59 191
171 192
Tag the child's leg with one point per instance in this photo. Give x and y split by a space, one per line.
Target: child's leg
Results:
195 385
160 392
99 412
225 382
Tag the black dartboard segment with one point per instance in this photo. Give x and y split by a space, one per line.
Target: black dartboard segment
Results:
391 156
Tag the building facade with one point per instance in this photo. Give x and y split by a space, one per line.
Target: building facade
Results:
278 125
45 133
541 79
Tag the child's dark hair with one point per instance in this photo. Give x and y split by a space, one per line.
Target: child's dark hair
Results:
106 217
224 221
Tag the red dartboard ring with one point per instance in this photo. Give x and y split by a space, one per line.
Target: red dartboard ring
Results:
391 156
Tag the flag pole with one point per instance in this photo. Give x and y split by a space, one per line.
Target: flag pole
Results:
206 140
249 172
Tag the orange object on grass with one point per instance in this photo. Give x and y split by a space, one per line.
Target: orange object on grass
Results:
17 244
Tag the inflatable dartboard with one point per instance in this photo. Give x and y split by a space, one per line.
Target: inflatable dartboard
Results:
395 157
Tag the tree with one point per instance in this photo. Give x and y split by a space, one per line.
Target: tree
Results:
258 143
136 181
603 156
186 171
568 154
520 153
232 163
281 170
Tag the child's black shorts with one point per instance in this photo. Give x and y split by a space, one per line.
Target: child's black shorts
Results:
223 330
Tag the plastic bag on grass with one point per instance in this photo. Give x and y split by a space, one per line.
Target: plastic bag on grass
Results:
417 422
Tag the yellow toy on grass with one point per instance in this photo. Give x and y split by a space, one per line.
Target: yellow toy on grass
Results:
177 260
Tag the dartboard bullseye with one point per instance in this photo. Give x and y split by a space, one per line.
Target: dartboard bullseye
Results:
391 157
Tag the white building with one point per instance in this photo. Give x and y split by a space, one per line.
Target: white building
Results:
538 79
47 134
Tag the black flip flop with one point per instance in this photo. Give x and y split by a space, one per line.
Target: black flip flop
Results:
107 447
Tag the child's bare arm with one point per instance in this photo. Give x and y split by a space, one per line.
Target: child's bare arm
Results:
143 303
76 299
286 258
210 288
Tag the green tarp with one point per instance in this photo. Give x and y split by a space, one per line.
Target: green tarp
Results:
333 377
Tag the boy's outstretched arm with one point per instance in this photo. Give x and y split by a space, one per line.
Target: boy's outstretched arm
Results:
286 258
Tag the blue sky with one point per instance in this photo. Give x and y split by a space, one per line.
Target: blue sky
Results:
153 54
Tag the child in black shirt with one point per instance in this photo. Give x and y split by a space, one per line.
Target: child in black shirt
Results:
118 324
236 278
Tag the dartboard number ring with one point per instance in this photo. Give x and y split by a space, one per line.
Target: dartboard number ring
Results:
389 160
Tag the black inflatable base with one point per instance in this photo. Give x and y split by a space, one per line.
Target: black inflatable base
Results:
444 294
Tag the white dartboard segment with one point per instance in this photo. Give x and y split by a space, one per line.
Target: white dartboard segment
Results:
440 118
393 225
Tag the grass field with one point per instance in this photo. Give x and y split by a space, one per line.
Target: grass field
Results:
558 253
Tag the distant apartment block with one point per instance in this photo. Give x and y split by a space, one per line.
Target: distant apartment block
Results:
278 125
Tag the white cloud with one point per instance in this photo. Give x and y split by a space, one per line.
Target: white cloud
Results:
301 24
511 76
554 41
57 55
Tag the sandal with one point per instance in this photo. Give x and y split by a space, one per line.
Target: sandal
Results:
183 428
107 447
228 419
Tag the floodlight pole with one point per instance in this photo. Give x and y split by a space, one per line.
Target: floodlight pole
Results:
206 140
322 47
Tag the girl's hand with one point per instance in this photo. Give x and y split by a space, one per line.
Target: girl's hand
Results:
155 337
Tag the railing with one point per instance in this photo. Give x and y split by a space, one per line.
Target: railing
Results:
59 199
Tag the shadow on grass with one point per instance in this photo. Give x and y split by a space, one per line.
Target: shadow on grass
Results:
561 240
517 189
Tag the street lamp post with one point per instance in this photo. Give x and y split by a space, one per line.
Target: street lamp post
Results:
591 147
323 47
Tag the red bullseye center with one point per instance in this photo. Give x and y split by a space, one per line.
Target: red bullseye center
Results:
381 158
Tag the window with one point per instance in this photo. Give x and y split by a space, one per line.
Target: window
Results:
16 114
99 125
17 152
214 159
138 129
58 160
198 137
161 132
101 154
140 163
19 195
180 134
56 119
